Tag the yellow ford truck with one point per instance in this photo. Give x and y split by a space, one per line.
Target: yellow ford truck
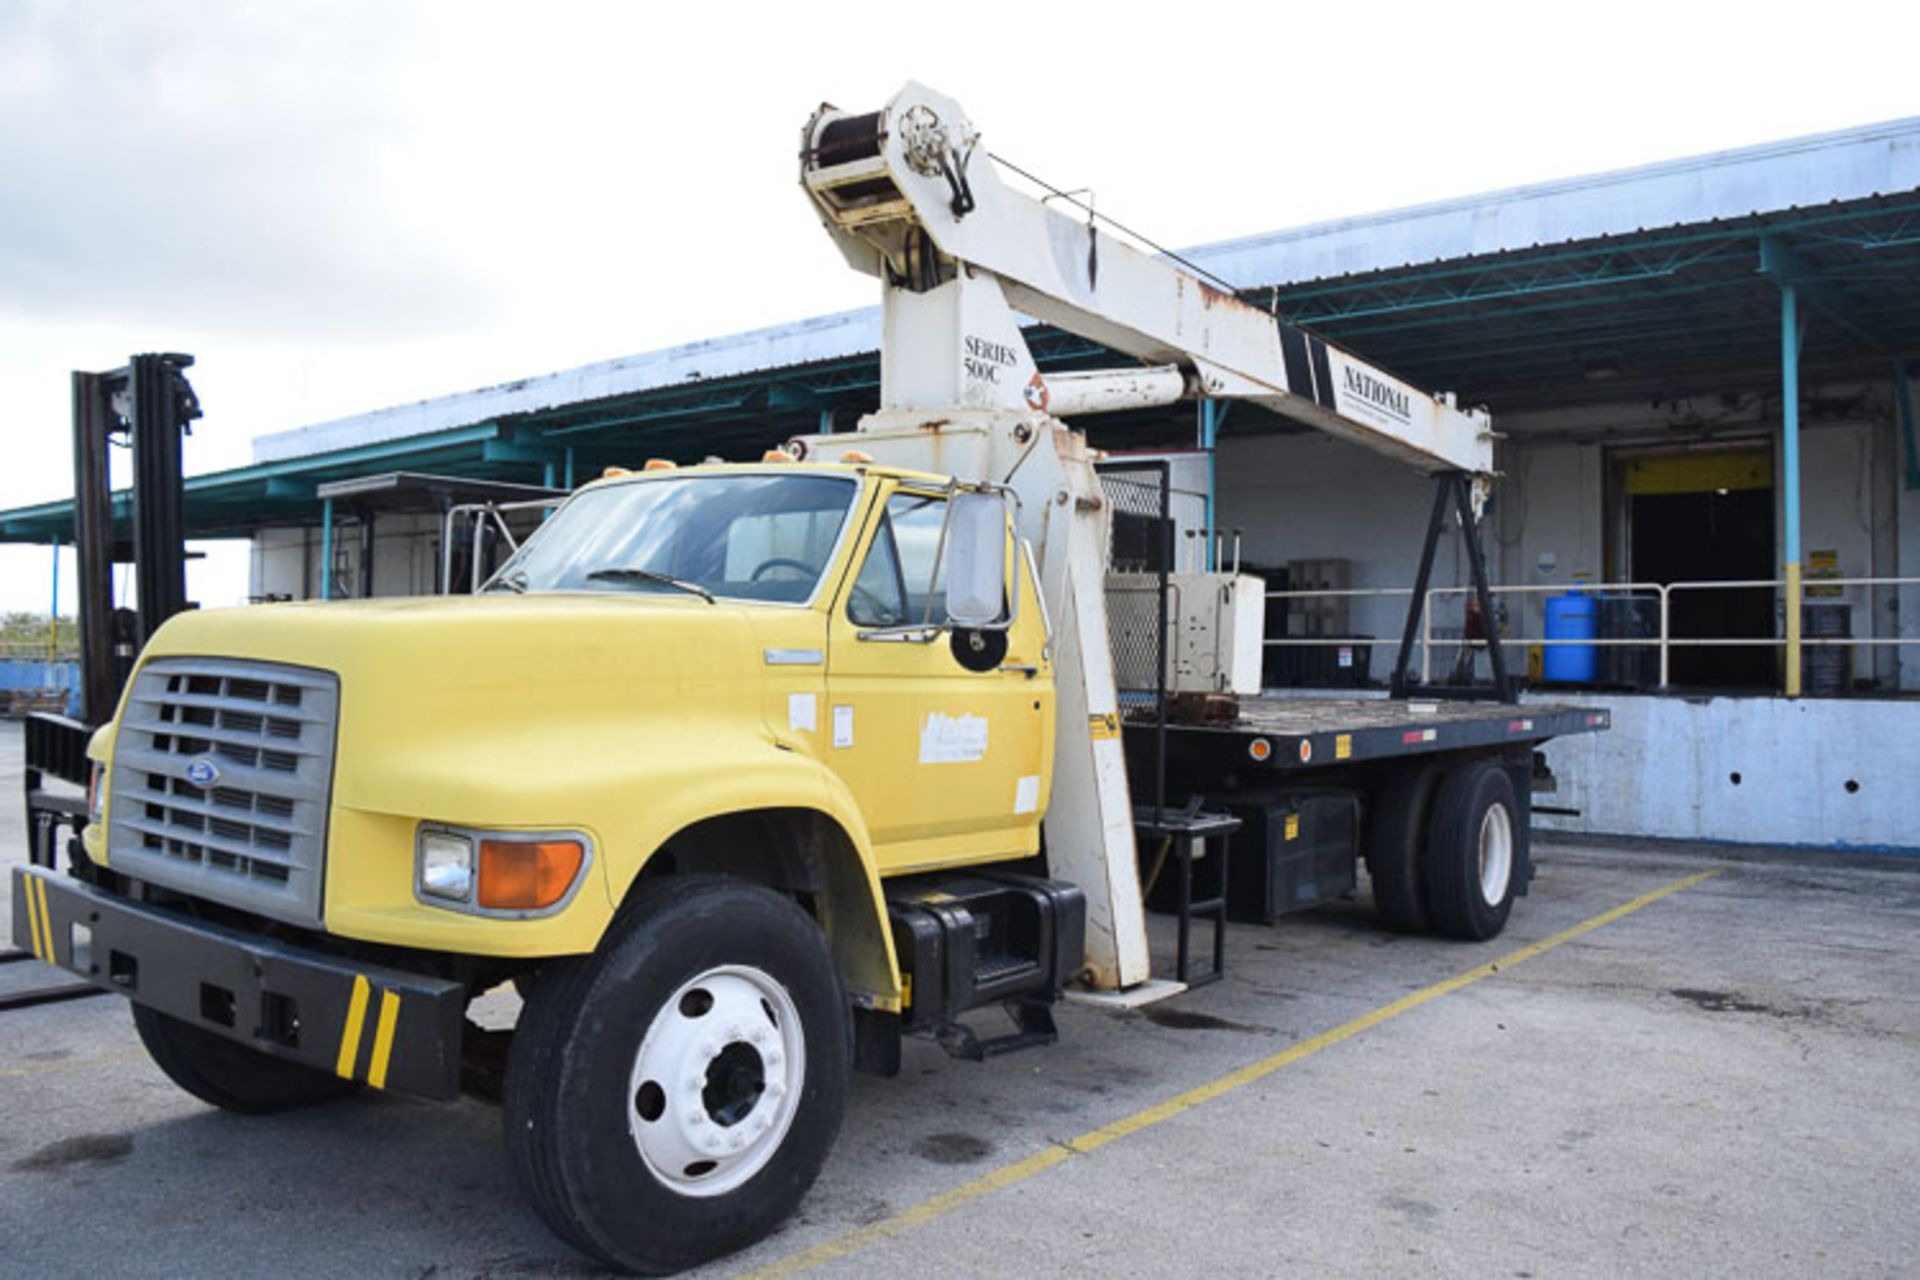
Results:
738 773
654 775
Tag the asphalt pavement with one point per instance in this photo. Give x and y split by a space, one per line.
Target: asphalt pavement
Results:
1672 1062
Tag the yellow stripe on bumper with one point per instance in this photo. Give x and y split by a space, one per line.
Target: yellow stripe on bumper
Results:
350 1034
38 923
46 925
383 1039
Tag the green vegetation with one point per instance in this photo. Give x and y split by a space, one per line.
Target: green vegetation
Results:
36 636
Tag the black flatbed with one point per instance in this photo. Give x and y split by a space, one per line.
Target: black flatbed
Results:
1287 735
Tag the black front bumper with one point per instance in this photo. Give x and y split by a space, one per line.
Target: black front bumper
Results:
397 1031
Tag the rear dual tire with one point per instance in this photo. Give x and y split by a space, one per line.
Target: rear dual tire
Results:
1396 848
1445 850
1474 851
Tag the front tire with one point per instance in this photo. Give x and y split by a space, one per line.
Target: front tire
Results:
1474 852
228 1075
672 1097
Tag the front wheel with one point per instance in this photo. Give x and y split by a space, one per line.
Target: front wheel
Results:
672 1097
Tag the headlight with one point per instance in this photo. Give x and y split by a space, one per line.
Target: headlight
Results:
513 873
97 793
446 865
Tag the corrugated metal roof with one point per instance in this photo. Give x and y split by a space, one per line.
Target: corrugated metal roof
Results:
1825 168
779 347
1821 169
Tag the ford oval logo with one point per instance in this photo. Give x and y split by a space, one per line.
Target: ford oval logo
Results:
203 772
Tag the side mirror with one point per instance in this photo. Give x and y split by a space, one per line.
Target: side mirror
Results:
977 561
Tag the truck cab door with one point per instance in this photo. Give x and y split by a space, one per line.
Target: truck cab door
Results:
944 741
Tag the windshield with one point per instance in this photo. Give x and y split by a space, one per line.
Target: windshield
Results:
744 537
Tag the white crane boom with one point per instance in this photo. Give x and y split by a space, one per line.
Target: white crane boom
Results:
909 196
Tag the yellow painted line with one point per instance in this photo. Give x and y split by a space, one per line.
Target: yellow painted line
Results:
39 889
907 1219
350 1034
383 1039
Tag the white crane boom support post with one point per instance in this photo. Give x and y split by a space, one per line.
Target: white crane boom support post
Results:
909 197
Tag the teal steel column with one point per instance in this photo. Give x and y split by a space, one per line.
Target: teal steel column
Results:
1210 432
826 422
546 475
326 549
569 468
1790 474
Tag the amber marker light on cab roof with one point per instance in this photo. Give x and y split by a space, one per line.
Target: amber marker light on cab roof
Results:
776 455
660 464
527 875
855 455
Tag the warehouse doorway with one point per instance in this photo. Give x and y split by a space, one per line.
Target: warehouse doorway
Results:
1706 516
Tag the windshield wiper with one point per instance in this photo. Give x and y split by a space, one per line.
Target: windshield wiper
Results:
515 582
623 574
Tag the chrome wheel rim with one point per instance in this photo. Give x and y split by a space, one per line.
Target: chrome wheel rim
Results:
1496 854
717 1080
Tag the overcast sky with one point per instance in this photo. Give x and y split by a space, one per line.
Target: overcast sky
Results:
339 207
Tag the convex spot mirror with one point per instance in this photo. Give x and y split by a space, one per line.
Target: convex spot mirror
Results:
977 561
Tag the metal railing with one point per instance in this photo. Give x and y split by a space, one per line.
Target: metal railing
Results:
1664 641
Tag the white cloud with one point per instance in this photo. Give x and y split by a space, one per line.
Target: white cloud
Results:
228 168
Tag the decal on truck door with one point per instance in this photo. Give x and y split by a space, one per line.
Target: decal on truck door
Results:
945 739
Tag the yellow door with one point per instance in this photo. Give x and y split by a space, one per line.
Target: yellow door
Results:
948 763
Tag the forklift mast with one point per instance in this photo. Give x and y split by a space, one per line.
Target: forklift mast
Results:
147 405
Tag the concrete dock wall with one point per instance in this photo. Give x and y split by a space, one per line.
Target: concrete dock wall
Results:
1839 773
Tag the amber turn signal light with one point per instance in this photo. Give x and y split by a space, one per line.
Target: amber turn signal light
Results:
526 875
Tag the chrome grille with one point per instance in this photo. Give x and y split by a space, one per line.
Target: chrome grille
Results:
222 773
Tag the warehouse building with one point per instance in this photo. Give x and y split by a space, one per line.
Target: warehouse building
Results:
1699 370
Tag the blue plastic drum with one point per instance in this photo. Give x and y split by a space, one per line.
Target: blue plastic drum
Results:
1572 616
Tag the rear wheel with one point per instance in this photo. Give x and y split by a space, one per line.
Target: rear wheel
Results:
1473 852
229 1075
1396 840
672 1097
